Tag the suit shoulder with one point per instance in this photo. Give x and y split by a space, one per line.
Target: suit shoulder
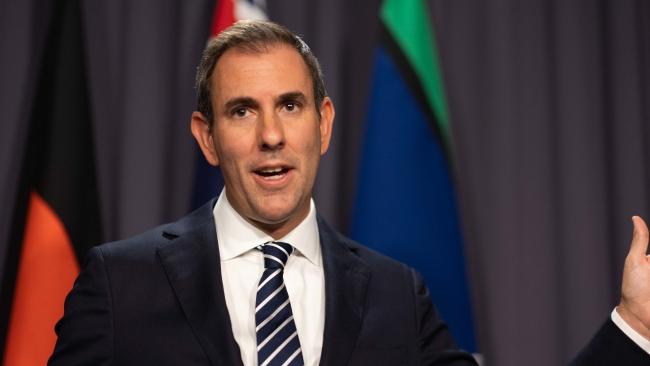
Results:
145 245
374 259
140 243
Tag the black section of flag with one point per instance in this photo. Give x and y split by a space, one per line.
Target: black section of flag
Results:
64 172
13 254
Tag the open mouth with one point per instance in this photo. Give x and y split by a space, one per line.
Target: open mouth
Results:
272 173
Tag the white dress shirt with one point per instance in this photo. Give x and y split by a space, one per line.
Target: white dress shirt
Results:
241 269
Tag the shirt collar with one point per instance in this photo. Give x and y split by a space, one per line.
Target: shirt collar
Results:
236 236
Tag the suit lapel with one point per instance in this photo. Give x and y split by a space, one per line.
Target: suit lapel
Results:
191 262
346 281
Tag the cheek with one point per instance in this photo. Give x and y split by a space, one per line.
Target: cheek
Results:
231 145
308 138
231 162
311 148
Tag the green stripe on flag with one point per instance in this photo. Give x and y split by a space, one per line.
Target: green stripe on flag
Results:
408 23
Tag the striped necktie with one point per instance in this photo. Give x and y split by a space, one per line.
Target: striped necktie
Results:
277 337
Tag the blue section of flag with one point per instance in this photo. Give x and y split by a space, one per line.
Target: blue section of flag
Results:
405 205
208 181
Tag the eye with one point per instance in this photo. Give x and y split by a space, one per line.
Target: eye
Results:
291 106
239 112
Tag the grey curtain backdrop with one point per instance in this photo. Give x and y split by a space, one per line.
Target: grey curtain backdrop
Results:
550 106
550 111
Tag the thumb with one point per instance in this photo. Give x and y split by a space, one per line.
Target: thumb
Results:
639 245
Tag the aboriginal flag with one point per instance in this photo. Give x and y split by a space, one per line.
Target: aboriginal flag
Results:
57 216
406 206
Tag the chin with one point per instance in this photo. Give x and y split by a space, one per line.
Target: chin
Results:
278 211
274 217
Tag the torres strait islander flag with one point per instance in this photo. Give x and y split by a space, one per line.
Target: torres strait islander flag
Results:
57 215
208 180
405 204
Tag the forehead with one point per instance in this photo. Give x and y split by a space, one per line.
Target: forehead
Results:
276 70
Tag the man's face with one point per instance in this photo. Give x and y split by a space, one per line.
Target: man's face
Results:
266 135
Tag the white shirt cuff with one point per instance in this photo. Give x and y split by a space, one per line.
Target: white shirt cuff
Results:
637 338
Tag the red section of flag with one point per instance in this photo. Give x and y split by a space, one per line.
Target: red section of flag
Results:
223 17
46 272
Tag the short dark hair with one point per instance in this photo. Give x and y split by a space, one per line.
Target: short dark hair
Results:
252 36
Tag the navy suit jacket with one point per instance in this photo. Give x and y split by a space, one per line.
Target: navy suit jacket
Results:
158 299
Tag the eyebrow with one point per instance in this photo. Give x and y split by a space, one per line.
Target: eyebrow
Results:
250 102
241 101
293 96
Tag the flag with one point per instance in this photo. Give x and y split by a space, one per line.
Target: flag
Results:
405 205
58 214
208 180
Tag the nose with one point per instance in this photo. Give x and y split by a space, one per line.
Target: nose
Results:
271 132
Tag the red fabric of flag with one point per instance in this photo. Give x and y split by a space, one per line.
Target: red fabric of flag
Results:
223 16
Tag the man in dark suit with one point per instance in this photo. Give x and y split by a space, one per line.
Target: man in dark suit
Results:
255 276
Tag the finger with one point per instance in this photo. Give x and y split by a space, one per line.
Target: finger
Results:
639 246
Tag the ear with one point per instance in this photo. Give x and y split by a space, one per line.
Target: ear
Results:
327 113
203 135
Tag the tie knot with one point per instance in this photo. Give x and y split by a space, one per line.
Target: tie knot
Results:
276 254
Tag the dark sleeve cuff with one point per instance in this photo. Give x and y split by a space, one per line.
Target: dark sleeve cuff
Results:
610 346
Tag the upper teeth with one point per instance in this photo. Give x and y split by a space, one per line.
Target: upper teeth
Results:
271 170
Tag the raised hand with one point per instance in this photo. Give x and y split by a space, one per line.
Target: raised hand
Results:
634 307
